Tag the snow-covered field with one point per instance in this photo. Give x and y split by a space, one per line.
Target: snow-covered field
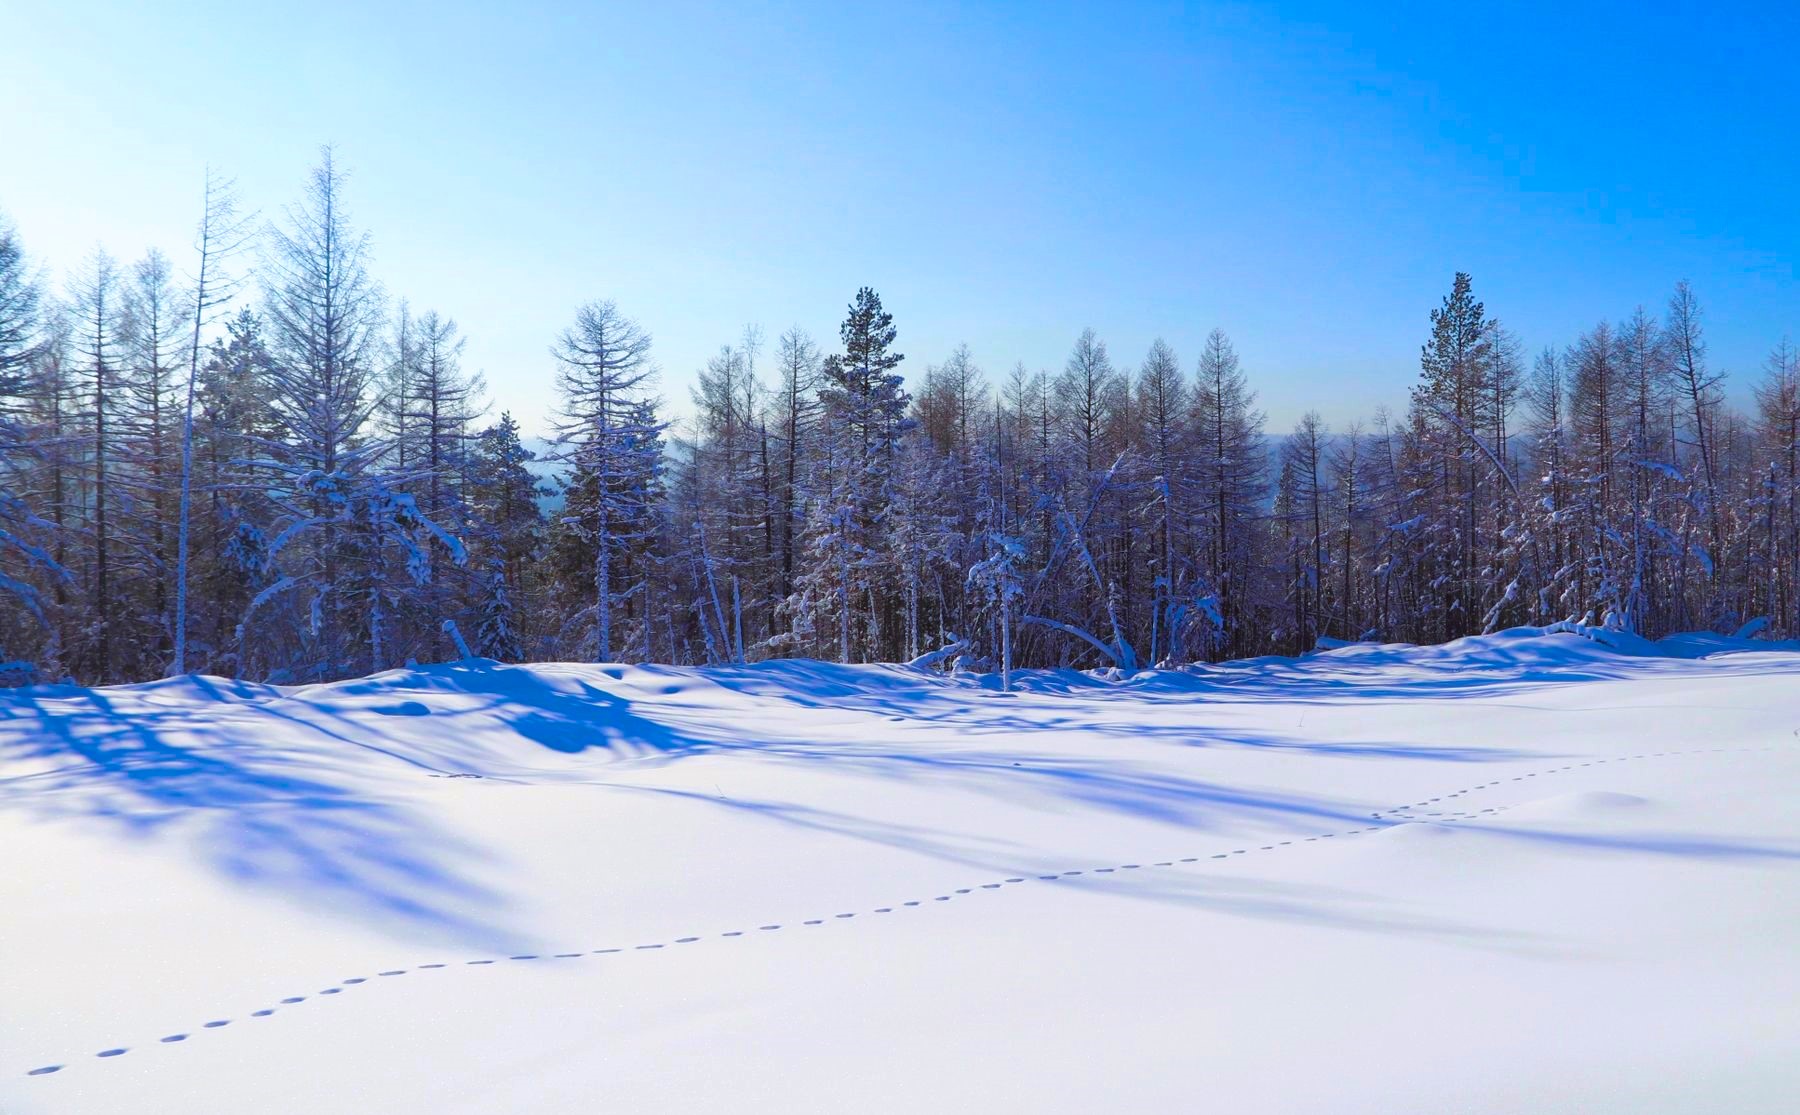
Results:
1518 873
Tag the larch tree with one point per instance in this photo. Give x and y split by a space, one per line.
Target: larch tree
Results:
1699 390
1778 415
794 417
1163 413
336 518
439 403
153 329
605 431
97 310
21 552
1230 467
223 232
292 504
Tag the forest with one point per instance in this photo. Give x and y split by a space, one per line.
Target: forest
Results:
254 463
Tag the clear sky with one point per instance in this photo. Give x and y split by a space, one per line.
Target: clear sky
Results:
1306 176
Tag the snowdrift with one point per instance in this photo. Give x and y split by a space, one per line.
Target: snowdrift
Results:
1549 870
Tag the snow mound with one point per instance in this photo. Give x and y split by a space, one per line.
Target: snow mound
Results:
1606 799
1409 833
1561 652
1578 806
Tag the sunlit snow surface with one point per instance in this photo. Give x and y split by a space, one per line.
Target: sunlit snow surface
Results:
1526 872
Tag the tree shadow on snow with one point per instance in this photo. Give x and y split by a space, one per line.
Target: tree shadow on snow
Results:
1311 904
1674 845
262 781
558 708
271 817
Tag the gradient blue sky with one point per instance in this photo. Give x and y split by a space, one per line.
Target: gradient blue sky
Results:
1306 176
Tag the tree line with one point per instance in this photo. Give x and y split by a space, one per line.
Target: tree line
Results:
256 466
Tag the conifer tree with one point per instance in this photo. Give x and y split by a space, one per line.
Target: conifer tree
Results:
865 415
1230 487
150 440
325 557
609 433
222 233
21 552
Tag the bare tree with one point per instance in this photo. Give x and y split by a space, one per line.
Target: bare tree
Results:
222 234
603 367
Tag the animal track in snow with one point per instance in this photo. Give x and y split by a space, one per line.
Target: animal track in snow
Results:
1401 814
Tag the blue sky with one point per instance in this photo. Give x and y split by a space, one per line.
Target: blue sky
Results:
1306 176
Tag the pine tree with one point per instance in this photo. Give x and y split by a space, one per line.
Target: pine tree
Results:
1453 393
495 635
865 414
285 507
504 508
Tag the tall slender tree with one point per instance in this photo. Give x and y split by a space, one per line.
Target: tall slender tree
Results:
223 232
607 432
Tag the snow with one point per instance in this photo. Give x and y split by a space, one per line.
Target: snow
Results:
1549 871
